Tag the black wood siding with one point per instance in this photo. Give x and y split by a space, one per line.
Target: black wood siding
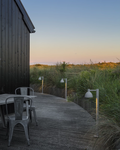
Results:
14 48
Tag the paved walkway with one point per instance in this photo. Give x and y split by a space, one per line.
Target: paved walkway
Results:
61 126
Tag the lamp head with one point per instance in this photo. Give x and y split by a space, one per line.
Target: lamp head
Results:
88 95
62 81
39 78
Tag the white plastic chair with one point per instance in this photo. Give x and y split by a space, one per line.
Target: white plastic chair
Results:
26 91
18 117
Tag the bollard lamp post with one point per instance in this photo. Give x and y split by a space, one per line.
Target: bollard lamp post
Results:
41 78
62 81
89 95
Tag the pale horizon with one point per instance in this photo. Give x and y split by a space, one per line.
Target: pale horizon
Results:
84 63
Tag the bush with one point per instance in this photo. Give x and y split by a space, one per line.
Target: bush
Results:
83 77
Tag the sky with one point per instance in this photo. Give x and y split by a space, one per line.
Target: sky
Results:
74 31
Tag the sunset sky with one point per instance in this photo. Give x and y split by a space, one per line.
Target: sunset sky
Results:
74 31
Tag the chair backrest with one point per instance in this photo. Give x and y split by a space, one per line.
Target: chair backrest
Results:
18 106
24 91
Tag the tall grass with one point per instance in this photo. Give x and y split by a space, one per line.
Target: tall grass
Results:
102 76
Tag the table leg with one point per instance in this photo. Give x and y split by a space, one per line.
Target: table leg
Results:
2 116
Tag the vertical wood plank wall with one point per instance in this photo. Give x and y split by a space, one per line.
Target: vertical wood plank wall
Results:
14 48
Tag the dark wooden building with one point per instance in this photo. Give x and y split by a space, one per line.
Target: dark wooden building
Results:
15 29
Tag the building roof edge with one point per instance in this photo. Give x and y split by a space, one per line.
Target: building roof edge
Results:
26 17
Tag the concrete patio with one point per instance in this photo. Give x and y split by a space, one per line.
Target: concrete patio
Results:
61 126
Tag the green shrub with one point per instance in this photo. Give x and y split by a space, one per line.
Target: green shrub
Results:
83 77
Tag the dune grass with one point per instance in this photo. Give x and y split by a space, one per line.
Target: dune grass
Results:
102 76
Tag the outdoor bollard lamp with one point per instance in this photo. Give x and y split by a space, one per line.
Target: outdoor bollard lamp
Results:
41 78
89 95
62 81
